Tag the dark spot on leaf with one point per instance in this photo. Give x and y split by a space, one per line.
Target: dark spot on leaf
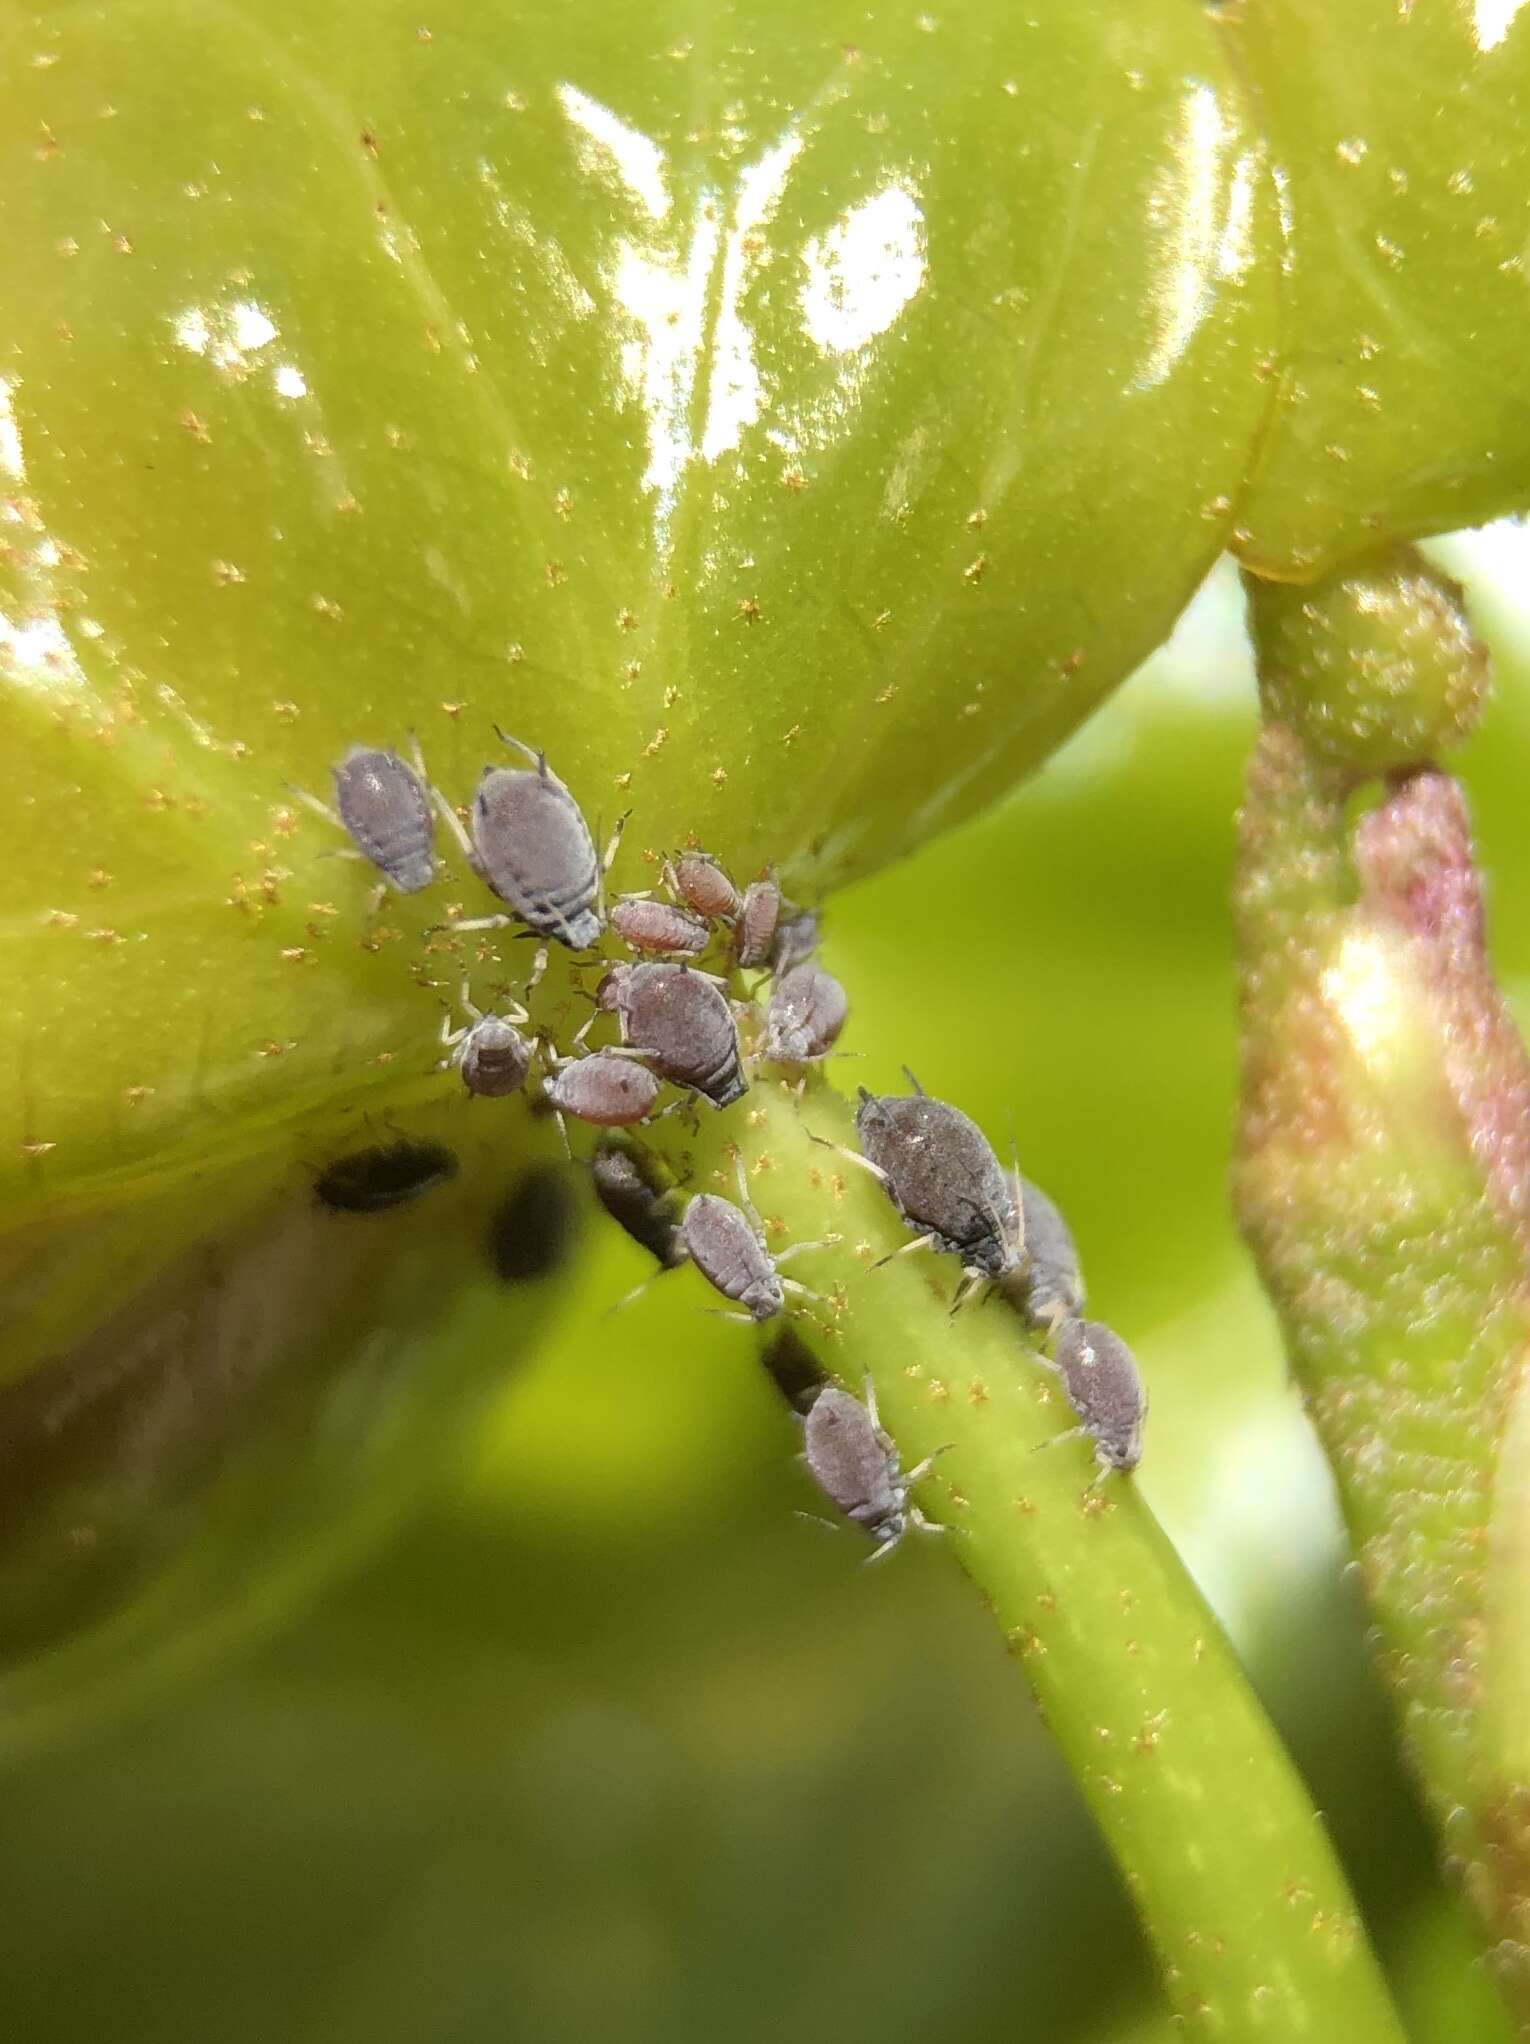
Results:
387 1175
534 1227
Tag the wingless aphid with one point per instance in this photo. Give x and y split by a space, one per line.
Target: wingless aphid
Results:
702 884
382 804
1104 1386
756 927
807 1011
604 1088
855 1464
641 1207
489 1050
1048 1288
659 927
727 1245
532 847
683 1020
941 1174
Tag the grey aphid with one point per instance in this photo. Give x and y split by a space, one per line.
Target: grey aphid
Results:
796 940
489 1051
532 846
659 927
757 919
604 1088
807 1011
943 1177
683 1019
698 879
636 1203
1103 1385
728 1252
384 807
1049 1286
856 1466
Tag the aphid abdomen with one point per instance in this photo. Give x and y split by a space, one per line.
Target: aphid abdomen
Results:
387 815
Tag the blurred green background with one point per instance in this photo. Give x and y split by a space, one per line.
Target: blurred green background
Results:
605 1741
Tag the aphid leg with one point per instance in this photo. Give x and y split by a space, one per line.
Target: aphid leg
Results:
798 1248
743 1193
972 1281
563 1131
1072 1434
376 896
870 1390
881 1552
917 1518
801 1291
907 1249
609 854
538 967
313 802
852 1157
477 923
722 1313
922 1469
454 824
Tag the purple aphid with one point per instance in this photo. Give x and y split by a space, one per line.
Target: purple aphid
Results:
489 1051
755 931
1104 1387
383 806
941 1174
532 847
659 927
855 1464
683 1021
604 1088
807 1011
700 882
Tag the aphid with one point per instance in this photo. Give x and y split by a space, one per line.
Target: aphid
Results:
382 805
727 1245
386 1175
943 1177
698 879
1048 1287
532 847
489 1050
796 940
605 1088
1103 1385
856 1466
636 1203
659 927
757 919
534 1228
806 1013
682 1018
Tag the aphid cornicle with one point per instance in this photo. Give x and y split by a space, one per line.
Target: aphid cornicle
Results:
603 1088
383 805
683 1020
1048 1287
855 1464
757 919
1104 1387
700 882
489 1050
943 1177
658 927
639 1205
532 847
807 1011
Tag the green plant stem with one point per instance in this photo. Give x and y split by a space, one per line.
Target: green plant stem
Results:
1226 1860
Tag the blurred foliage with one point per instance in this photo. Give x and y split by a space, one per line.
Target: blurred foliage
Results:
611 1740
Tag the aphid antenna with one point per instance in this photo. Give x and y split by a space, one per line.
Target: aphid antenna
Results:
926 1241
526 751
801 1248
851 1156
914 1083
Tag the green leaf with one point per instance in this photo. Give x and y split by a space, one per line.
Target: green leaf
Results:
794 439
1403 163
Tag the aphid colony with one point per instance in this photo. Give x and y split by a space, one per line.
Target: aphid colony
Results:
678 1026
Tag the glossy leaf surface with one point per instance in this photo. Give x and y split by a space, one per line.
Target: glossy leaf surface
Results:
794 435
